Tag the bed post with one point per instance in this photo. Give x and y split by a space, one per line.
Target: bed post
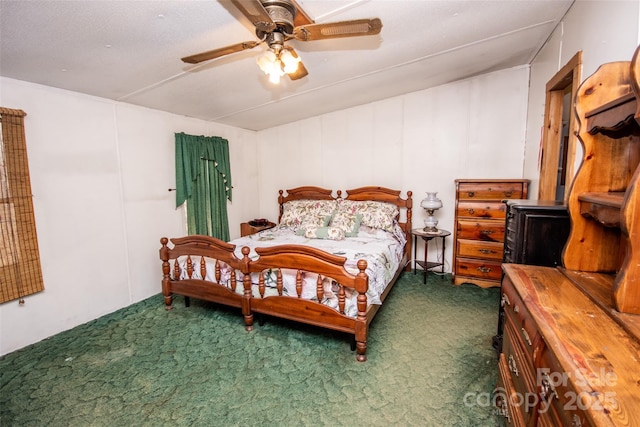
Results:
280 204
362 286
247 295
166 269
407 230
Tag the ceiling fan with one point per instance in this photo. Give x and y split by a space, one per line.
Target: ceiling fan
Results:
277 21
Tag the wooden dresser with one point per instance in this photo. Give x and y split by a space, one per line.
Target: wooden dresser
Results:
565 361
479 228
535 234
571 342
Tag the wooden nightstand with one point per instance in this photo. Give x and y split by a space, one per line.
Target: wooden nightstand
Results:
246 229
427 265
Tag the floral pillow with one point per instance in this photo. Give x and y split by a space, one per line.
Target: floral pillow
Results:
298 213
374 214
347 221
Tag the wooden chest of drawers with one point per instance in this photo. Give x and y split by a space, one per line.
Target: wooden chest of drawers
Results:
479 228
565 360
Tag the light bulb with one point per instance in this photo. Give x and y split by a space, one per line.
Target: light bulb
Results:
276 72
266 61
290 62
274 77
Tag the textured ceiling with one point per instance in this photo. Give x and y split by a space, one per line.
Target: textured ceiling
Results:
130 51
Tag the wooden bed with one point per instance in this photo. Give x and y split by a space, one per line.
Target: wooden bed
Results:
209 269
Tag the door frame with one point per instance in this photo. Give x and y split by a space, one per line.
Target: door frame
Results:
568 77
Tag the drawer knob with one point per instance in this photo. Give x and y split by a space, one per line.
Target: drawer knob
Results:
505 300
471 193
484 269
508 194
471 211
513 367
502 408
485 251
486 232
547 390
516 309
526 336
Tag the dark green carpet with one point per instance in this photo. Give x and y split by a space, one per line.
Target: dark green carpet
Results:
430 363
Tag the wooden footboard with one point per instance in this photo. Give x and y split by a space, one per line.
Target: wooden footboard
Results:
191 276
305 260
206 268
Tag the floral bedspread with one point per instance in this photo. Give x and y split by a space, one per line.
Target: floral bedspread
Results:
381 249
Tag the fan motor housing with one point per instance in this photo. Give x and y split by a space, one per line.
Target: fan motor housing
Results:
282 13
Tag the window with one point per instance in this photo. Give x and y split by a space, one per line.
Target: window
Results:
203 181
20 271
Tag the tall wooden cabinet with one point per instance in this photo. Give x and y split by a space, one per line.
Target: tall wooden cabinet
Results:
571 341
479 228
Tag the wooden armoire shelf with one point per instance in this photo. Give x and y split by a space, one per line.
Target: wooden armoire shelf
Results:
604 201
602 207
613 116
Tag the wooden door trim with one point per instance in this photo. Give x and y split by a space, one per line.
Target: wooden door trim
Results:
568 76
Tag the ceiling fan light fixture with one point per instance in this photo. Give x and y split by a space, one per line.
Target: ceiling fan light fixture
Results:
271 64
290 62
267 61
276 64
277 21
274 77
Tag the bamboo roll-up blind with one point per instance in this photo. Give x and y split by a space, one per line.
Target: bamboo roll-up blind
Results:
20 271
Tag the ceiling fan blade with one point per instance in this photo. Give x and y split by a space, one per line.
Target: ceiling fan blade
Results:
301 71
330 30
216 53
256 13
301 17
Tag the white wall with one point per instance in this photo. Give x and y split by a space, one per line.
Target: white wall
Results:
100 174
605 31
421 142
101 169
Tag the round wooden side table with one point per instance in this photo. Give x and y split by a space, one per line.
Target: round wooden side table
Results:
427 236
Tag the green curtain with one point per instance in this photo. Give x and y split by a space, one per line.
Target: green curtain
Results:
203 181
